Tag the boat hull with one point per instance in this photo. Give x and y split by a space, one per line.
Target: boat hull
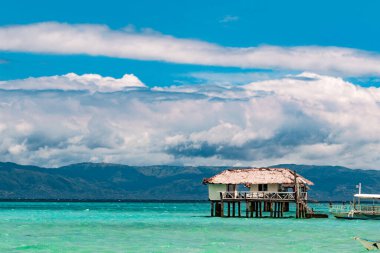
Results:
357 216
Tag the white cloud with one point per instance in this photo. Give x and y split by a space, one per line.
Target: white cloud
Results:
229 18
60 38
304 118
72 81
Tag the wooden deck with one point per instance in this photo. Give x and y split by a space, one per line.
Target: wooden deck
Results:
274 204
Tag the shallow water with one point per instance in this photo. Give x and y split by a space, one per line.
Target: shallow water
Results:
168 227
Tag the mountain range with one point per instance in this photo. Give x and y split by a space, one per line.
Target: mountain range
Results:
103 181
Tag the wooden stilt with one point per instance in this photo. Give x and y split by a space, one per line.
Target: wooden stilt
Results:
221 205
276 208
246 209
229 209
261 209
218 208
256 209
271 209
251 209
233 209
212 208
239 209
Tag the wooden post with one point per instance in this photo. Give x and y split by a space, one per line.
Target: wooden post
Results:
256 209
246 208
252 206
296 197
212 208
261 209
229 209
221 205
218 211
233 209
271 209
239 209
277 210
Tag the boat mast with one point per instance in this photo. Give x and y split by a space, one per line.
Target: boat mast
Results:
359 186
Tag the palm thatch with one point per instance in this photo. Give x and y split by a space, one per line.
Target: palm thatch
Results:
257 176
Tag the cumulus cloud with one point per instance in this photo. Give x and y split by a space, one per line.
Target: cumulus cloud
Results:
60 38
72 81
228 19
306 118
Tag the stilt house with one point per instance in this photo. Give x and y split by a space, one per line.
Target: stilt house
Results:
260 189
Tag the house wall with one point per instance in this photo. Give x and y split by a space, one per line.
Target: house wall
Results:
214 189
271 188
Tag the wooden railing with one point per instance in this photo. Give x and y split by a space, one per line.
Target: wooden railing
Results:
249 195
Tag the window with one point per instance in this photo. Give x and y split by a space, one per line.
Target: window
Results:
263 187
231 187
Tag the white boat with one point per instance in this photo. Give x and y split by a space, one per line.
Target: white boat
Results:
357 209
368 244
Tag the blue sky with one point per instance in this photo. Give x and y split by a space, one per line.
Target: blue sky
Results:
244 83
227 23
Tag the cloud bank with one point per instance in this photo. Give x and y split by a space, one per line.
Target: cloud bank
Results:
99 40
305 118
72 81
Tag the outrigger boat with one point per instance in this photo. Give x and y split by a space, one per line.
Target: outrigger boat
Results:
368 244
357 209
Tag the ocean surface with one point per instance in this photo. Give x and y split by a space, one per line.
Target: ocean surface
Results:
168 227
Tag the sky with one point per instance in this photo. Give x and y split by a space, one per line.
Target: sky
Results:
240 83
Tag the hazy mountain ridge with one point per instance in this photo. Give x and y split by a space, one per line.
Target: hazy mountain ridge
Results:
115 181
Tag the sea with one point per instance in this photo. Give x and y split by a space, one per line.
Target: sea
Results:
168 227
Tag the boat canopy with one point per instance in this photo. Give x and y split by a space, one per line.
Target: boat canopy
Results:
367 196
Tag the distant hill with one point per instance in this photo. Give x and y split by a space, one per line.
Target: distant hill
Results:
114 181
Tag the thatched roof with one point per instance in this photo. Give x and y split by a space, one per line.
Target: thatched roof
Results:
256 176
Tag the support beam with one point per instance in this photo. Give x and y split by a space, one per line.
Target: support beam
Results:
212 208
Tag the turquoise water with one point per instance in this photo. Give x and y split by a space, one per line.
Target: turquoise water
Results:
168 227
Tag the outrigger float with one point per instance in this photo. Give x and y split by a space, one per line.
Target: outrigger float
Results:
369 244
357 209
